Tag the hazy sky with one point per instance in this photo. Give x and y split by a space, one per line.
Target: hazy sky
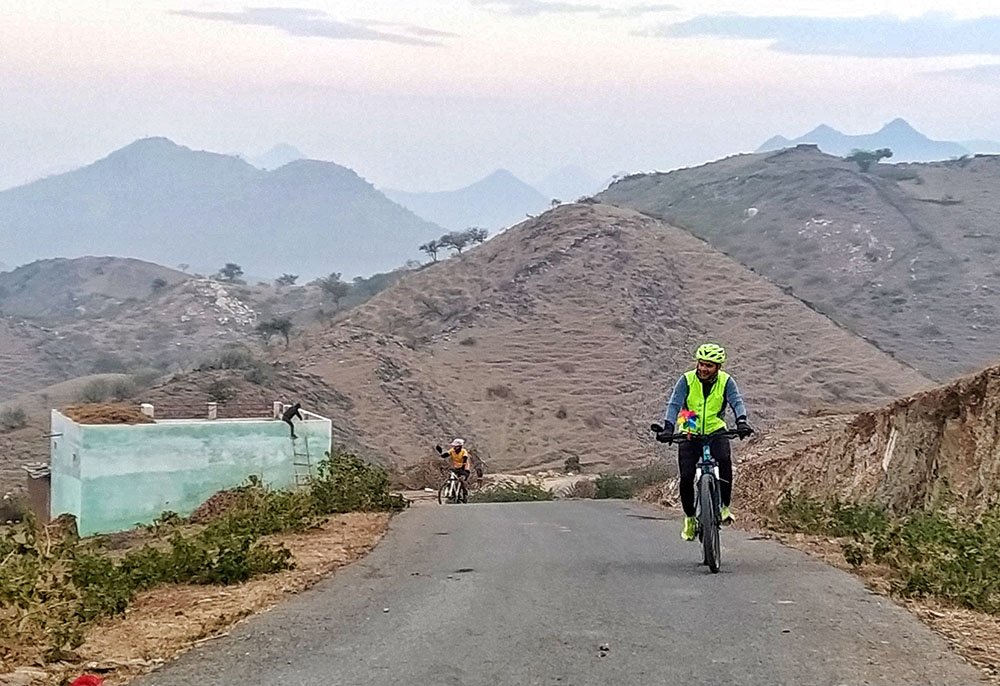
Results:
429 94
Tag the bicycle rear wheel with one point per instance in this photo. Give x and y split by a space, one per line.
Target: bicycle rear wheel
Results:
709 523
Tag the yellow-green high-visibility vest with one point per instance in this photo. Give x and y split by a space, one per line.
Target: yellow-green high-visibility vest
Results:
711 410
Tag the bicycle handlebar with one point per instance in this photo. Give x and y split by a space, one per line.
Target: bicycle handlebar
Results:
728 433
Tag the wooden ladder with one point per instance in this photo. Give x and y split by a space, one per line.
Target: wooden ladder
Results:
302 462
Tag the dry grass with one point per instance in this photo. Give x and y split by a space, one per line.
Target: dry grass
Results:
97 413
542 301
499 391
166 622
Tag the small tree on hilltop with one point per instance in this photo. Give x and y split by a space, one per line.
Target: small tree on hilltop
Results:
231 272
287 279
477 235
866 158
556 202
456 240
334 288
431 248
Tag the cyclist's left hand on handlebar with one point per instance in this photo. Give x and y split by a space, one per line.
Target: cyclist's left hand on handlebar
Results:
743 428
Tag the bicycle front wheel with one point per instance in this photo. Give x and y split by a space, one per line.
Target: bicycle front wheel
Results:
443 493
709 523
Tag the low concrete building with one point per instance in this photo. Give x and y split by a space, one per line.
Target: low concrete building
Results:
113 477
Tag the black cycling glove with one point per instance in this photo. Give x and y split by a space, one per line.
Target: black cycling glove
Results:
666 435
743 428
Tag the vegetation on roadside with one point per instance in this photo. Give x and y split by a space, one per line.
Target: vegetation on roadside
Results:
52 585
612 486
512 493
930 554
12 418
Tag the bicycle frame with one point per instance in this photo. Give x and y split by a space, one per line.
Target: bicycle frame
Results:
707 481
452 490
707 467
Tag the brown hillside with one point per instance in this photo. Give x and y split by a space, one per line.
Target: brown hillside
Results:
906 256
60 289
561 336
937 447
32 357
109 315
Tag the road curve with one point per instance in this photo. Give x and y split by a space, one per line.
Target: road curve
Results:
573 593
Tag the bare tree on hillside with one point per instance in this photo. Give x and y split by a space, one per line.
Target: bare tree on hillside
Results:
477 235
456 240
431 248
287 279
277 325
184 266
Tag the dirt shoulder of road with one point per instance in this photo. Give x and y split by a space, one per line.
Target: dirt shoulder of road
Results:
973 635
165 622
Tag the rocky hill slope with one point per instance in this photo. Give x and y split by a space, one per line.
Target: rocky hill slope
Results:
905 256
936 448
561 337
558 338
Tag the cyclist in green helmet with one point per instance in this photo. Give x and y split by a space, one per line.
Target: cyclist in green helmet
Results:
705 391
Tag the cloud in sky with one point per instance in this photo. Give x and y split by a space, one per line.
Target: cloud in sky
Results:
297 21
981 73
930 35
534 8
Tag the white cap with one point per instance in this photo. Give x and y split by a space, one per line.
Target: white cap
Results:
457 443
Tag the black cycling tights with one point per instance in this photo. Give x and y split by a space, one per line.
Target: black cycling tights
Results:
688 454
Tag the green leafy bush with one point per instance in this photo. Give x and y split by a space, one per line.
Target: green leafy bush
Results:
345 483
929 553
610 486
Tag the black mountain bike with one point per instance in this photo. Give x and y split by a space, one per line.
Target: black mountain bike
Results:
707 496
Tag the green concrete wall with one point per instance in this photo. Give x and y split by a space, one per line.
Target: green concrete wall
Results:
130 474
65 483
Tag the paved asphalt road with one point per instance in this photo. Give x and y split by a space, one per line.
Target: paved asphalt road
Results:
530 593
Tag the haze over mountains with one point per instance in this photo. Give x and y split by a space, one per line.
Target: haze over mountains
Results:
166 203
277 156
907 144
495 202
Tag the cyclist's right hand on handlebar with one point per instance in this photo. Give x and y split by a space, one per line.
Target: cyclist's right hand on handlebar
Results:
743 428
666 433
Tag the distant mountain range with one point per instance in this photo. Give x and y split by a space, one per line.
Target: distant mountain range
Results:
495 202
906 143
159 201
278 156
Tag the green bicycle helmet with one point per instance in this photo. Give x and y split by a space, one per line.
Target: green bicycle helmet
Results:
710 352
